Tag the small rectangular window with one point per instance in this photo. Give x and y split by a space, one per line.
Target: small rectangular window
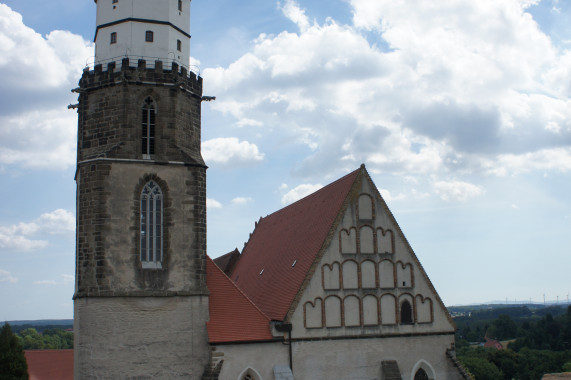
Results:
180 5
149 36
179 45
113 38
115 1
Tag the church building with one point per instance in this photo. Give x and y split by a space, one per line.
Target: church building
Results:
325 288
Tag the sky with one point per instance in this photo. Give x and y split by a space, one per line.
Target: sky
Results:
460 110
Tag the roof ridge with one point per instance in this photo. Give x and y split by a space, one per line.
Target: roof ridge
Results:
237 288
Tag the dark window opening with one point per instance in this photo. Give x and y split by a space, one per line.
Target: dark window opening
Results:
148 127
149 36
113 38
420 375
405 312
180 5
178 45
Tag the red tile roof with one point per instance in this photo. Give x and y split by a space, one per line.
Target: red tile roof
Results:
50 364
233 317
284 245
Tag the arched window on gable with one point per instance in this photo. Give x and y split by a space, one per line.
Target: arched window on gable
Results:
148 127
151 226
405 312
420 375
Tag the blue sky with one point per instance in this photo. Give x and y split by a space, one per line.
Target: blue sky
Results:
460 110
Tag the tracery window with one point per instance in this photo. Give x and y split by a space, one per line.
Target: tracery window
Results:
151 225
148 127
420 375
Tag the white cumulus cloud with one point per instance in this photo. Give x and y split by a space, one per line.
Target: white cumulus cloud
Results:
457 190
230 151
6 276
299 192
28 236
38 72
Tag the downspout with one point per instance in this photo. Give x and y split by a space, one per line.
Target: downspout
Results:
287 327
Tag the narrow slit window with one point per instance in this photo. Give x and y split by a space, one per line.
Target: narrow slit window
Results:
113 38
151 231
148 127
180 5
149 36
179 45
115 1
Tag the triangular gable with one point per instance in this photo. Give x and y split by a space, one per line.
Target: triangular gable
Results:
233 317
373 242
284 245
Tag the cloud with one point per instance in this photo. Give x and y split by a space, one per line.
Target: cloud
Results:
299 192
212 204
24 236
64 279
469 88
6 276
297 15
457 190
37 128
241 200
230 152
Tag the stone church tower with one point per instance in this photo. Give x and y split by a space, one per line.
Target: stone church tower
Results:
141 302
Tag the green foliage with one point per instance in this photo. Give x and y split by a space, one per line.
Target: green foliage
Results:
481 368
567 367
51 339
13 364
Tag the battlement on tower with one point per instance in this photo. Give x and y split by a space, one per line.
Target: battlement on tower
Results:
142 73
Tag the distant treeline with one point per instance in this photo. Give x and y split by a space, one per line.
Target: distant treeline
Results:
538 342
44 334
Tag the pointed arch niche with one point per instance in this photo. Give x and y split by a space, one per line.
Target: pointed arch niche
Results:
365 209
422 370
405 278
348 240
385 241
424 312
388 309
386 274
366 240
331 276
368 275
313 314
249 374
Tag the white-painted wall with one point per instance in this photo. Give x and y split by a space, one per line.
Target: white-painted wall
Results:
131 35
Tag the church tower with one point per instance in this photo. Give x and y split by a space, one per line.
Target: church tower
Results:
140 302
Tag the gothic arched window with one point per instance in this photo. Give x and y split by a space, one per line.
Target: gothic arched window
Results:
151 225
420 375
405 312
148 127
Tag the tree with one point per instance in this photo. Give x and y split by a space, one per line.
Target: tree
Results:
481 368
13 364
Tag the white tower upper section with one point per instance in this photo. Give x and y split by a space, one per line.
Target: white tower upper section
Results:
143 29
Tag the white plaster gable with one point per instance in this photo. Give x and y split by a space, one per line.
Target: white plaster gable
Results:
365 277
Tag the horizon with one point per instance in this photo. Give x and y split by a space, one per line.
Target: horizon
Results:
460 111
